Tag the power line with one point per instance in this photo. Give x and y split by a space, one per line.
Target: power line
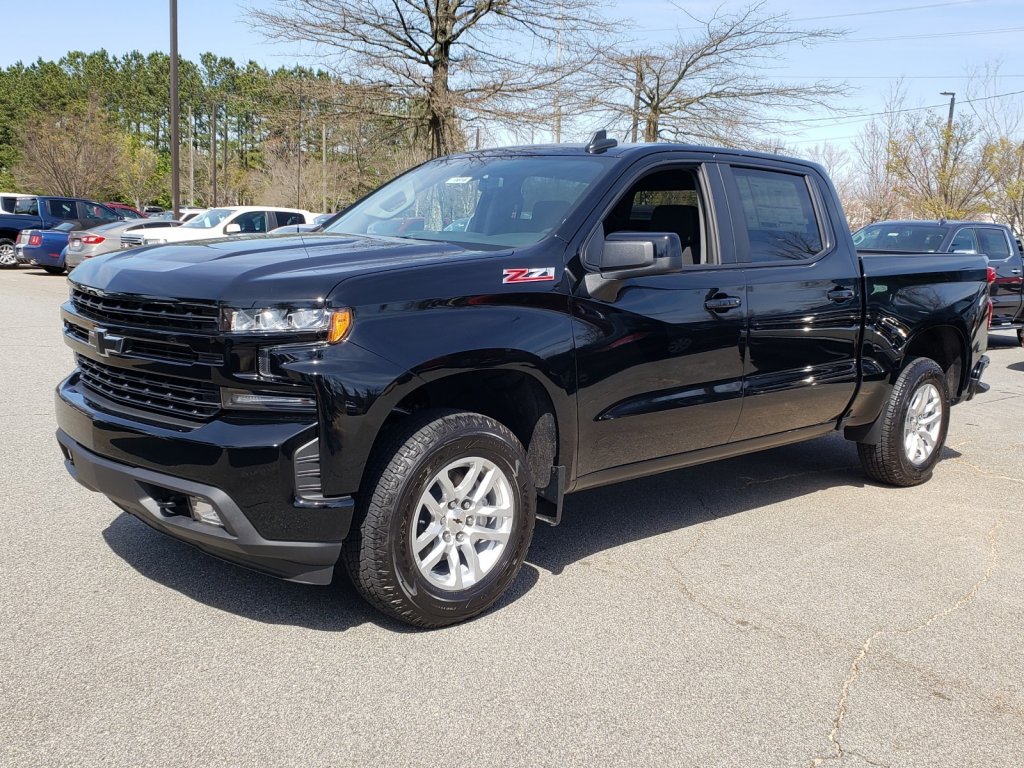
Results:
970 33
837 16
850 119
885 10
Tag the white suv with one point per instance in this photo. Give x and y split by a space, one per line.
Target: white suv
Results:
218 222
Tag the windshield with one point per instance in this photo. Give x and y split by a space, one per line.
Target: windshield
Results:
496 201
904 236
208 219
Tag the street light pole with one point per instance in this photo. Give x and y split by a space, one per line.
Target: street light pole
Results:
175 128
952 103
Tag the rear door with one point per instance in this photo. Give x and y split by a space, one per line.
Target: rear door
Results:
803 298
1004 257
659 358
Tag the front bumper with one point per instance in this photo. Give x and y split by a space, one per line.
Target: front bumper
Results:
244 469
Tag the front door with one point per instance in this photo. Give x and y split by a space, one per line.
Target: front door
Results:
659 358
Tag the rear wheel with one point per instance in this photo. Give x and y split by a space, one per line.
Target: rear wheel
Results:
446 522
914 424
7 259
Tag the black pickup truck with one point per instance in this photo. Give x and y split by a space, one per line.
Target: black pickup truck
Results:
538 321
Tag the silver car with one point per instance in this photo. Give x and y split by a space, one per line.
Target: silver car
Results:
85 243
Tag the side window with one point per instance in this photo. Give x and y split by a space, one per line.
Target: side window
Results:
97 212
993 243
779 215
62 209
252 221
964 242
288 219
664 201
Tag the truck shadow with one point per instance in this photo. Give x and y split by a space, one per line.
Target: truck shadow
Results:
249 594
605 518
593 521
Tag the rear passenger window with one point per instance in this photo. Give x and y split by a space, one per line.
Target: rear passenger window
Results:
62 209
993 243
289 219
779 215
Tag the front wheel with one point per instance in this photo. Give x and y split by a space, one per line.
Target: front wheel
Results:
7 259
445 521
54 270
914 424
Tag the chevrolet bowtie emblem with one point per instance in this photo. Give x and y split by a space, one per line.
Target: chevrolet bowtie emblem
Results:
105 342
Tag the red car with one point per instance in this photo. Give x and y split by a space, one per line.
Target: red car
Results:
126 210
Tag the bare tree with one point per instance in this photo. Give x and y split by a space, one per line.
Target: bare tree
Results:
1004 161
140 175
443 59
75 152
710 86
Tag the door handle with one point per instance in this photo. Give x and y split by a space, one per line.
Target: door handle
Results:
1014 271
722 305
840 294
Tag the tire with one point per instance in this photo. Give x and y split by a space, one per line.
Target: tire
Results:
914 424
1020 337
7 260
54 270
420 560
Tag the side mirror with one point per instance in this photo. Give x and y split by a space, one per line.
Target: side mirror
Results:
634 254
232 229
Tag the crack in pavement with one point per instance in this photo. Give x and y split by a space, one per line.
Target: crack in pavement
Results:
749 481
855 668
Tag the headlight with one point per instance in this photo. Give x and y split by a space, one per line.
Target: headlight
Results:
335 322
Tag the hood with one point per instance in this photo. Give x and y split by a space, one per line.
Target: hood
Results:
249 271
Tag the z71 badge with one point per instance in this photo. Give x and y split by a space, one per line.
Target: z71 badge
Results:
528 275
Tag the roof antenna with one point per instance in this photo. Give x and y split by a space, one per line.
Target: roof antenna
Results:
600 142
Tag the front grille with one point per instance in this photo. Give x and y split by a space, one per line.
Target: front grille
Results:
151 392
149 313
131 241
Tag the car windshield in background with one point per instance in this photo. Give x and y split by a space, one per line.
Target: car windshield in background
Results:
496 201
922 238
208 219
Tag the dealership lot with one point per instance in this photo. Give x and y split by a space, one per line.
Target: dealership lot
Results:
772 610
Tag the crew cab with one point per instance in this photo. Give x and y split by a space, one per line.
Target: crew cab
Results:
407 406
997 241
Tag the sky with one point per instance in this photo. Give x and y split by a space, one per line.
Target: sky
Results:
932 46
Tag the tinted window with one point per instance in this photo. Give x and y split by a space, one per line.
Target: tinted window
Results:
62 209
964 242
901 236
252 222
288 219
98 212
779 214
993 243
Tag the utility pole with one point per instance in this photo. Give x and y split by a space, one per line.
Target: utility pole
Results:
636 98
298 152
191 159
224 149
944 174
175 128
213 155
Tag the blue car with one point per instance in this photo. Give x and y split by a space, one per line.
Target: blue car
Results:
44 247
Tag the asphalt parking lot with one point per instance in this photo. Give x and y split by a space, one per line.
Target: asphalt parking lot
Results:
773 610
